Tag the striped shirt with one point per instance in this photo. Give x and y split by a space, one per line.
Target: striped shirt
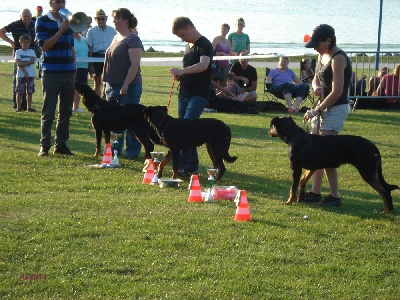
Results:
17 29
59 57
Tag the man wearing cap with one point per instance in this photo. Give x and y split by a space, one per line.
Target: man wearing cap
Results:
17 28
99 38
56 39
39 12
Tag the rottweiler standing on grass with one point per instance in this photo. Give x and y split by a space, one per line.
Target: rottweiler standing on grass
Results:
179 134
111 116
313 152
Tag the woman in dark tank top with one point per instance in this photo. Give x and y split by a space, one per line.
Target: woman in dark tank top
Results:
331 84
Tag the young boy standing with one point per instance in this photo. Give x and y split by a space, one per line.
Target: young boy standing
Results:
240 41
195 82
25 58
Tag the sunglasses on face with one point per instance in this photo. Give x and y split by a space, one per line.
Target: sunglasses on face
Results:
101 19
59 1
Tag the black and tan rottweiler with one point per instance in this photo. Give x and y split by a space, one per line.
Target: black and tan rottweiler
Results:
313 152
177 134
109 116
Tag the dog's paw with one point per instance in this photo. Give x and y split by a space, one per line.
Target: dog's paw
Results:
287 202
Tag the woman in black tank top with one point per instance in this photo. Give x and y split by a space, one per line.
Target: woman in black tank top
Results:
331 84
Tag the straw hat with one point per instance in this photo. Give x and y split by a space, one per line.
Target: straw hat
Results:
100 13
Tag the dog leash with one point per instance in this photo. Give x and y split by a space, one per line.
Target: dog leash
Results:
307 123
118 98
170 94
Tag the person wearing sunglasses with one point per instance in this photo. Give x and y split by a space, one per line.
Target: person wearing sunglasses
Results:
99 38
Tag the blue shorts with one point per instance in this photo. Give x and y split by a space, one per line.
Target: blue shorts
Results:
334 117
25 86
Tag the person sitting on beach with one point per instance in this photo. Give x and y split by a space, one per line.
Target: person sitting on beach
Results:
357 86
227 105
374 81
222 47
245 77
282 79
232 90
307 73
390 86
353 82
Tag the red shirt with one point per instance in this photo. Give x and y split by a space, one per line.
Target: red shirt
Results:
390 86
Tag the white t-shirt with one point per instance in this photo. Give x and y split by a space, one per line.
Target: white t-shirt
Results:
26 56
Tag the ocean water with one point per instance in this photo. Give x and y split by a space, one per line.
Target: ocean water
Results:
274 26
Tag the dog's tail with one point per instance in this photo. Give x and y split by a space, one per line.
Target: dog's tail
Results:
393 187
228 158
388 187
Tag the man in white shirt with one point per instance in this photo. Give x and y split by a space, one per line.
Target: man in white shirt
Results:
99 38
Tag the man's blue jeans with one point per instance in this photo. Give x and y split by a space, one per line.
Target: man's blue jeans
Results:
133 146
190 108
297 90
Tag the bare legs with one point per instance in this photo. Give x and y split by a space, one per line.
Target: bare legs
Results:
331 174
288 98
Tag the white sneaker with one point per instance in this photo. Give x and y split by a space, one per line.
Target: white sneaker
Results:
79 110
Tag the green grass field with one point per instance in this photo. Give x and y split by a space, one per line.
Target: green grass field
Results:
73 232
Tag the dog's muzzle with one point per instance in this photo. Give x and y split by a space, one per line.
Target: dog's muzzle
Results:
272 132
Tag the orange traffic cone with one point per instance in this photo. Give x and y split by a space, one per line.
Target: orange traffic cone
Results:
195 190
242 211
107 158
146 165
148 176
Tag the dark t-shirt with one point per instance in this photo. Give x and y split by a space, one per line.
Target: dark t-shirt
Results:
18 28
197 84
250 73
117 61
325 76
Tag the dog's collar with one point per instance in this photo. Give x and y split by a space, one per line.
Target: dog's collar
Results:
157 126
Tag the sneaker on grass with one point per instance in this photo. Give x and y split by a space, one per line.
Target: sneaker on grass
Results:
311 197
